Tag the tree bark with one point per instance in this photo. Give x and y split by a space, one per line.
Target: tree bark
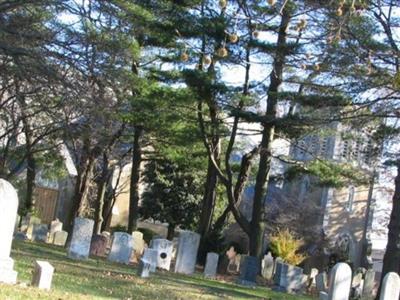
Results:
391 259
171 232
257 223
135 180
101 190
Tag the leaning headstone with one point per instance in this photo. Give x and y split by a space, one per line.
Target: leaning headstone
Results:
81 238
210 270
8 214
369 282
144 268
150 256
164 249
98 246
267 266
39 233
121 249
60 238
187 252
248 270
339 283
390 287
43 275
321 282
55 226
138 242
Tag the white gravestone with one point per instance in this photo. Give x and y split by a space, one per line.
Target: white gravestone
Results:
55 226
138 242
121 249
144 268
8 215
60 238
164 252
267 266
339 283
43 275
390 287
210 270
150 257
81 238
187 252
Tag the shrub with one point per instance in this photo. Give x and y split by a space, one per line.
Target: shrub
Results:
286 246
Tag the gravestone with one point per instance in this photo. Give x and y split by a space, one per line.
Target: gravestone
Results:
60 238
187 252
357 283
289 278
390 287
144 268
321 282
121 249
249 269
55 226
369 283
39 233
42 275
150 256
8 214
98 246
164 253
17 221
267 266
339 283
210 270
138 242
81 238
234 260
311 277
175 242
20 236
32 220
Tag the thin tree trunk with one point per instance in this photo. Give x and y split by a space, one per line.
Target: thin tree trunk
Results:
171 232
101 190
257 223
135 179
391 259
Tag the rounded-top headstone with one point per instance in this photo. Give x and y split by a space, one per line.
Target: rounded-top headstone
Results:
8 215
340 282
390 287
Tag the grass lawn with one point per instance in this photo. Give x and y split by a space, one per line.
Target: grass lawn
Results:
99 279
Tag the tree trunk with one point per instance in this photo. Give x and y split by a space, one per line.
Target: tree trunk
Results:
391 259
208 202
135 180
171 232
30 180
257 224
101 190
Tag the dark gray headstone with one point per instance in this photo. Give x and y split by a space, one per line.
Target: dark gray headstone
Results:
81 237
150 256
321 281
144 269
39 232
249 269
121 249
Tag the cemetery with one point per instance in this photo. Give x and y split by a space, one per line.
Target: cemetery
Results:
200 149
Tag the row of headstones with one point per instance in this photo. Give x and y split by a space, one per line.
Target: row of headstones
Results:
34 230
159 253
340 285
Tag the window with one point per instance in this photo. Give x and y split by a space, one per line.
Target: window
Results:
350 199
